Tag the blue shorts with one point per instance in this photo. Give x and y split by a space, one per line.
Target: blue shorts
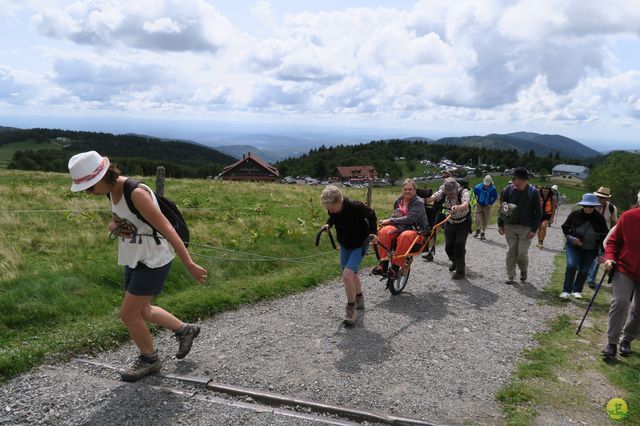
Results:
351 258
145 281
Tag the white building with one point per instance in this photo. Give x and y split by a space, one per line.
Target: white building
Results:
569 171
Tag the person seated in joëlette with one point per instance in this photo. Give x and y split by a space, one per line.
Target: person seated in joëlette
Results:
408 219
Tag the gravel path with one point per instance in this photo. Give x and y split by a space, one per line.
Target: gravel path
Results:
439 352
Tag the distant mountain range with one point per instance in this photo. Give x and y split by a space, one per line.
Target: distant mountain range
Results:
523 142
275 148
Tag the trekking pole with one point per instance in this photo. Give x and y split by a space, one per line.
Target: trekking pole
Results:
595 293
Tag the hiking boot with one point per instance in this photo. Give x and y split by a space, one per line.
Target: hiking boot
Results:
350 315
458 276
476 234
609 352
577 295
509 280
428 256
143 366
452 267
591 284
564 295
185 336
482 237
625 348
360 302
523 276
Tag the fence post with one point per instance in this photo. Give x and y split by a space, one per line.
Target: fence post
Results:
369 192
160 180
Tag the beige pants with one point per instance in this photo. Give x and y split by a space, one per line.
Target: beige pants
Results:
624 314
518 248
482 217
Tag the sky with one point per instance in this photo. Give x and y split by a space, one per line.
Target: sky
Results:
428 68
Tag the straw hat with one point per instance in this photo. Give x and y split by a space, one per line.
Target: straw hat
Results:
86 169
603 192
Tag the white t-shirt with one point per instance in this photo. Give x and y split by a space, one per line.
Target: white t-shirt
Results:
140 248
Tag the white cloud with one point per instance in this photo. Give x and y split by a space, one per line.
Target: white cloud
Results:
170 25
475 60
162 25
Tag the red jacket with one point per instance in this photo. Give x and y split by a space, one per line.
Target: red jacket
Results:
623 245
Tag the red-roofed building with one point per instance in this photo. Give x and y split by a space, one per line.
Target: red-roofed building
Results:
356 172
250 167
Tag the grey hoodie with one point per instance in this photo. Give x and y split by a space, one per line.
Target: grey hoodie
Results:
416 217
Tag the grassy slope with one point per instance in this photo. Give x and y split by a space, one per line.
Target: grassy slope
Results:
537 385
7 150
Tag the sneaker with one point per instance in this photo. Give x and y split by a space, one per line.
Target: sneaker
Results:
609 352
143 366
509 280
185 336
458 276
350 315
541 246
523 276
591 284
564 295
476 234
360 302
625 348
428 256
482 237
452 267
577 295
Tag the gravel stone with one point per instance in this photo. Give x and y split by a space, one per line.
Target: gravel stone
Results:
440 351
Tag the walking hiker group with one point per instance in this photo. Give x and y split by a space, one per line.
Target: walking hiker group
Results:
523 212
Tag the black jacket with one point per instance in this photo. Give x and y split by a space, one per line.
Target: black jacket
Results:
529 205
578 217
354 223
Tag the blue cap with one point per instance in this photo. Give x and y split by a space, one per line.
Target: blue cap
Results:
589 200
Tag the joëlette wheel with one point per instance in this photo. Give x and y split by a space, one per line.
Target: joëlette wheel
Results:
397 284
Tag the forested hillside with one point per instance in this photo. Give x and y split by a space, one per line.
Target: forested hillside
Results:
321 162
525 142
135 154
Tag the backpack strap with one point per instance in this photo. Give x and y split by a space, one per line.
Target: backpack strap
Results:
127 189
611 208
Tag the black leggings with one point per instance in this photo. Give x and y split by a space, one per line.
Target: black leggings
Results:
455 241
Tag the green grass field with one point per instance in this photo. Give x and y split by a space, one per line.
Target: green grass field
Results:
7 150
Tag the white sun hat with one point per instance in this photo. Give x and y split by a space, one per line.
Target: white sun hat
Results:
86 169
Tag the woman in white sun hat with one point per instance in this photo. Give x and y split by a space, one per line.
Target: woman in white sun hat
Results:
146 261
